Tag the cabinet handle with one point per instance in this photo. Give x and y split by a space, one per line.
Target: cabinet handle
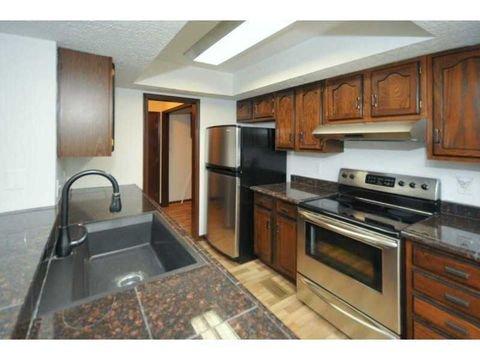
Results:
456 300
457 328
358 103
291 138
267 225
374 100
455 272
436 136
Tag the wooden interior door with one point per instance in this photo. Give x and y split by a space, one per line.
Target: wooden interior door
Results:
396 90
344 98
263 234
456 99
285 120
153 180
286 245
308 116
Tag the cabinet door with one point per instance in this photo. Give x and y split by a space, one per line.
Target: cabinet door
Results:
244 110
85 104
344 98
263 234
396 90
456 109
286 246
285 120
308 116
264 107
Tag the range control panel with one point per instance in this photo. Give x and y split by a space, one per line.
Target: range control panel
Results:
380 180
414 186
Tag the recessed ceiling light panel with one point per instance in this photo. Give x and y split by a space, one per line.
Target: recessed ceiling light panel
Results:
240 39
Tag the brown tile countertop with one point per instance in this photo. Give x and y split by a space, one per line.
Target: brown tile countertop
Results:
201 303
296 192
454 234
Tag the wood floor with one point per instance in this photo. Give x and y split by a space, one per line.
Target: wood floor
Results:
272 289
181 213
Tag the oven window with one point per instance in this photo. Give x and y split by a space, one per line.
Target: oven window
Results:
353 258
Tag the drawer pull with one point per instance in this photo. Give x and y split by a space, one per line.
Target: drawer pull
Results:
455 272
456 300
457 328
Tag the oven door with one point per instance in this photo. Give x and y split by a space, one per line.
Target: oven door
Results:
359 266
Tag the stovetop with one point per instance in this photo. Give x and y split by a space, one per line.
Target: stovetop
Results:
378 211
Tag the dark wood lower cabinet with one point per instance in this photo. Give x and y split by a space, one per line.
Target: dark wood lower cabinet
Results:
275 234
441 303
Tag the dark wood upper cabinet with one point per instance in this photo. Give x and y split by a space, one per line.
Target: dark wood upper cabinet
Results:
85 104
344 98
395 91
286 245
285 120
263 234
244 110
308 116
264 107
456 105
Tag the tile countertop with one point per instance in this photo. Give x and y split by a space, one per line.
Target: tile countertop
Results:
201 303
454 234
297 192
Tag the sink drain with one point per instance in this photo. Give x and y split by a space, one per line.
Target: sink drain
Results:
130 279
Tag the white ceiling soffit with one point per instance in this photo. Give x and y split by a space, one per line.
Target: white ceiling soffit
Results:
306 51
132 44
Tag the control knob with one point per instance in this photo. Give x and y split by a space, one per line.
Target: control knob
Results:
401 183
344 175
412 185
352 176
425 186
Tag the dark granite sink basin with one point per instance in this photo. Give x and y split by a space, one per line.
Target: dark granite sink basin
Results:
118 254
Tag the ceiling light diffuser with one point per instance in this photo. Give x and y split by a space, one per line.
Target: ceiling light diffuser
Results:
240 39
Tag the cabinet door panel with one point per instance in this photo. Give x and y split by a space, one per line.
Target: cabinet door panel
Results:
244 110
456 104
85 104
286 245
285 120
264 107
396 90
344 98
308 116
263 234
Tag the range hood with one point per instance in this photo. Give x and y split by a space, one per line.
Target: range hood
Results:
374 131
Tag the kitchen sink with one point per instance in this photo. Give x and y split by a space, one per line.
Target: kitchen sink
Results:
117 254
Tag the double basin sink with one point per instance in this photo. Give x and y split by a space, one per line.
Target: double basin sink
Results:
117 254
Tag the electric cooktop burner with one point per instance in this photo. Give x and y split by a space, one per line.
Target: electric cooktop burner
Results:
369 200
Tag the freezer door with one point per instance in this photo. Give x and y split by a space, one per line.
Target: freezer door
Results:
223 146
223 202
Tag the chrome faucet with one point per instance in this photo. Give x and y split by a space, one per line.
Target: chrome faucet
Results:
64 243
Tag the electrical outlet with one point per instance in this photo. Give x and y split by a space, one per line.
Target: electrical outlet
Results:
465 185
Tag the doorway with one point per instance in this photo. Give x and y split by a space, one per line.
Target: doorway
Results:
171 157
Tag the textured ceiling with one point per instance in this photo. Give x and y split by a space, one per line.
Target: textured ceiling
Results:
132 44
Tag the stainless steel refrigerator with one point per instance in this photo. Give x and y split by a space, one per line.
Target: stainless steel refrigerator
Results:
237 158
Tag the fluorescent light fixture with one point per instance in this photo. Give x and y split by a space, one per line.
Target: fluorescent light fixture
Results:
240 39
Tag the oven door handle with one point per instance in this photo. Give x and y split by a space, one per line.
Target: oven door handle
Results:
350 231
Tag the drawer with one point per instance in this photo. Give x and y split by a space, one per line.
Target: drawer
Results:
457 270
447 322
287 209
447 294
421 331
264 200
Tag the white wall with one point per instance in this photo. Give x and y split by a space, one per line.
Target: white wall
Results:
394 158
28 88
180 158
126 163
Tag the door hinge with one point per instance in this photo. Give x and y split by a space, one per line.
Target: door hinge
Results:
420 69
436 136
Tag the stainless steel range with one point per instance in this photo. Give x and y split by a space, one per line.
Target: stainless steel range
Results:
349 249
